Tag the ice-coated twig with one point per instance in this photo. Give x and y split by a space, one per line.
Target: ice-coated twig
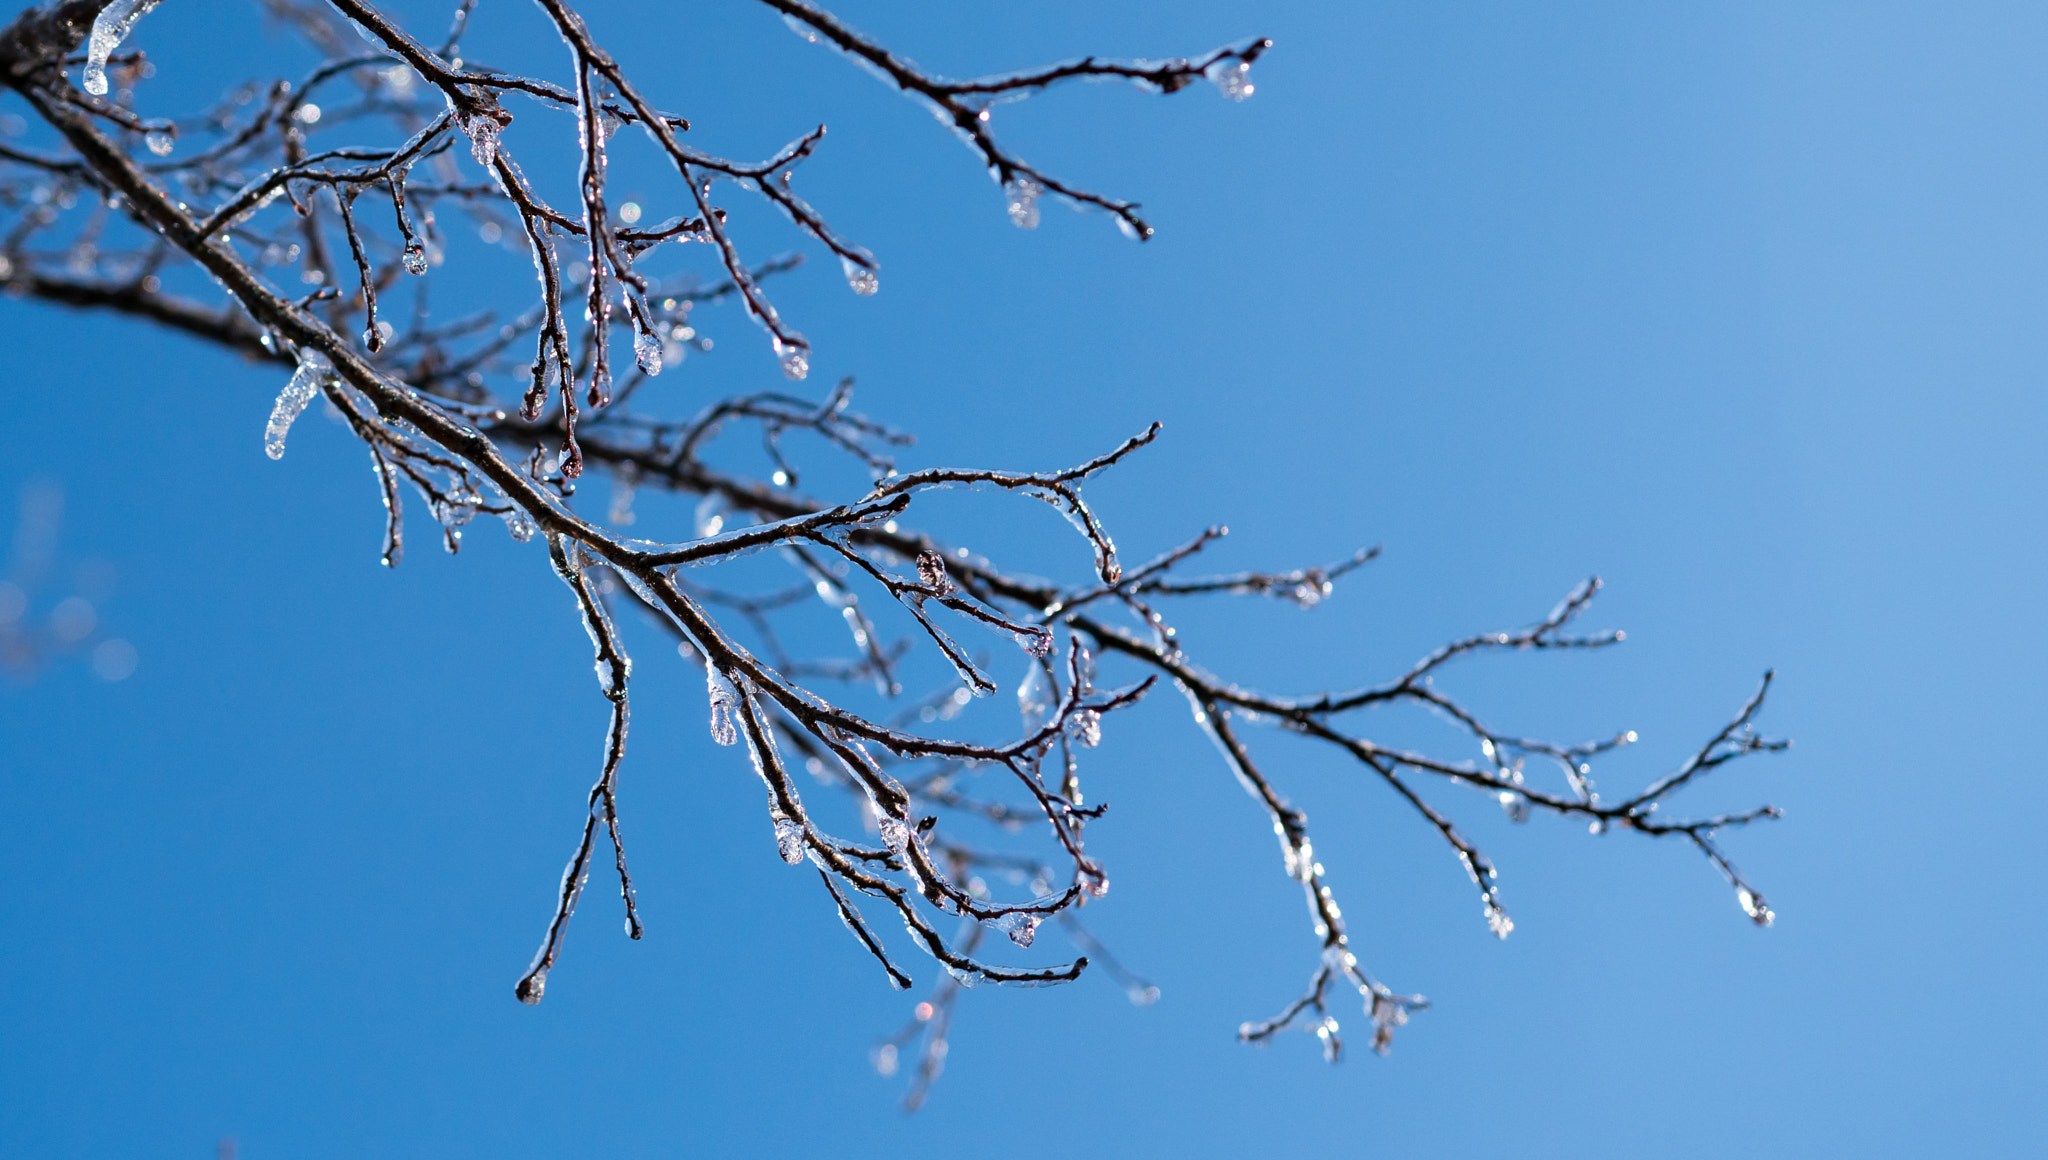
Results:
966 105
506 405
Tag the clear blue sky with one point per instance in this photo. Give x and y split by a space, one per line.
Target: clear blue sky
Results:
1740 306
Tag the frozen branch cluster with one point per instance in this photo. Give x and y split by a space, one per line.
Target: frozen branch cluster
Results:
505 412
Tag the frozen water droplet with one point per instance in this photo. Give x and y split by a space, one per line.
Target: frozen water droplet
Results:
1085 726
724 702
1143 996
1301 860
519 524
1515 806
109 29
1232 77
1020 198
795 358
458 509
1753 906
1498 922
884 1058
1034 699
532 987
160 141
863 279
415 258
647 352
1021 927
374 337
1038 643
305 383
789 841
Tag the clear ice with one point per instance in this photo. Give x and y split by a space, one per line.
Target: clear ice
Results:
1020 197
305 383
109 29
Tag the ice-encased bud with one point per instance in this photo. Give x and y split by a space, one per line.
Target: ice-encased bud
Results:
931 572
109 29
1020 198
895 834
863 279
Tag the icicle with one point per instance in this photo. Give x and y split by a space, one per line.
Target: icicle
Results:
483 130
109 29
1020 197
314 369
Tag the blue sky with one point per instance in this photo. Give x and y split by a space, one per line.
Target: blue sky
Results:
1739 307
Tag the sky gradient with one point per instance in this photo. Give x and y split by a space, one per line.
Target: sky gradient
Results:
1739 307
